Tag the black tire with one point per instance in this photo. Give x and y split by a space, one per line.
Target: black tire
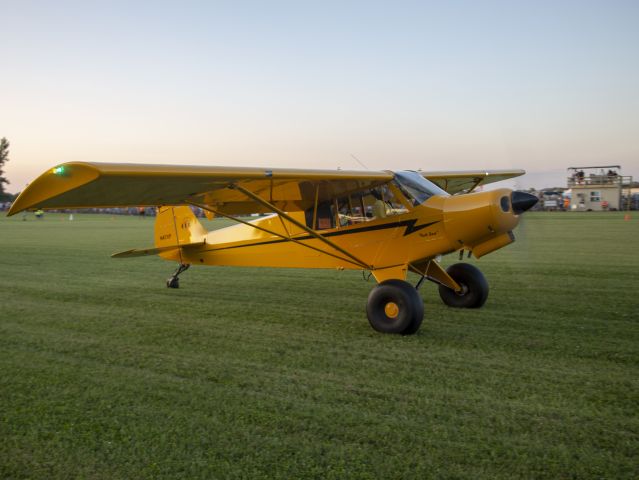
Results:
418 314
400 296
472 281
173 282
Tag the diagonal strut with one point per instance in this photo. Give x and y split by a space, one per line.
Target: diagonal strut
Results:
310 231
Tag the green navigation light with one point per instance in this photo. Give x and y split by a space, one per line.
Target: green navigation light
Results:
58 170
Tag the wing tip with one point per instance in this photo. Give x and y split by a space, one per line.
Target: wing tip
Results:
53 183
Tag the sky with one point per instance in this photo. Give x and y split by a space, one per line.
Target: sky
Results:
454 85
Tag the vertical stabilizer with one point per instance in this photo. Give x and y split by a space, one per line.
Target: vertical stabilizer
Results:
177 226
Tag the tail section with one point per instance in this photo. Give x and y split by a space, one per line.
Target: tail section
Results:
175 228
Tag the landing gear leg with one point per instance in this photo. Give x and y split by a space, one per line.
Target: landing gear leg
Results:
174 280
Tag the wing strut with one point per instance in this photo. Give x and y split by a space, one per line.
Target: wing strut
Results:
310 231
477 182
270 232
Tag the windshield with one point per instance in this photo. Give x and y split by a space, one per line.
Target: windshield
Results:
416 188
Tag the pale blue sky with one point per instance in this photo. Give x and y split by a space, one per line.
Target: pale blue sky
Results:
432 85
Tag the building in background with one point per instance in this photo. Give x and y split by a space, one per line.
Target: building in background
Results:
599 188
552 199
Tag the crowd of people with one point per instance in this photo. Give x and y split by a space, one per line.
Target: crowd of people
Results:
579 177
140 211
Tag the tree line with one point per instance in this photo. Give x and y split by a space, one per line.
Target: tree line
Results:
4 157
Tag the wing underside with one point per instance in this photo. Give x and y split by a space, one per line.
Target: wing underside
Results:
88 185
101 185
466 181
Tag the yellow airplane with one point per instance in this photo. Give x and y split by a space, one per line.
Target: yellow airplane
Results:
383 222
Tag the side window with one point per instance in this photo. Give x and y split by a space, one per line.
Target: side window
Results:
325 218
368 205
360 207
380 203
344 213
395 205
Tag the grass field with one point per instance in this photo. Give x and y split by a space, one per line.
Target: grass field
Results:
256 373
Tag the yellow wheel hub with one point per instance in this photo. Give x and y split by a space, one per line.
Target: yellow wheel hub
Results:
391 310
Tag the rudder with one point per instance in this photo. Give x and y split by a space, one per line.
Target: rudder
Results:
177 226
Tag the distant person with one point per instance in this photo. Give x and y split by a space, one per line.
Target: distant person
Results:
580 176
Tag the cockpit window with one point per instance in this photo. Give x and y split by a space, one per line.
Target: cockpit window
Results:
416 188
358 207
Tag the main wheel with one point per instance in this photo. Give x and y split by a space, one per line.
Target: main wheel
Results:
173 282
394 306
474 287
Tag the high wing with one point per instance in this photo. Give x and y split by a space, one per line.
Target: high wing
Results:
99 185
466 181
83 185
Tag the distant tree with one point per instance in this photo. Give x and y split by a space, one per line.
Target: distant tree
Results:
4 157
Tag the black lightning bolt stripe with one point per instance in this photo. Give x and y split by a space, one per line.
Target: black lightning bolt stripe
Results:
410 227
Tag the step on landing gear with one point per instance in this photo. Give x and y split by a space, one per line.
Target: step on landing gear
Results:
174 280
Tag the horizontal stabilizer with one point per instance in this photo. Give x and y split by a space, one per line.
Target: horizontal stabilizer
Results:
152 251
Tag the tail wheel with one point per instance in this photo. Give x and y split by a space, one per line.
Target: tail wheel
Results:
474 287
394 306
174 280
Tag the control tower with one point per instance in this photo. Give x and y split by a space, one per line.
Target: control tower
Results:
598 188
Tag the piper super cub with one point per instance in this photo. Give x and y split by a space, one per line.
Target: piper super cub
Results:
384 222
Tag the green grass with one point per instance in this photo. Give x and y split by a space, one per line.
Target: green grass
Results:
260 373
